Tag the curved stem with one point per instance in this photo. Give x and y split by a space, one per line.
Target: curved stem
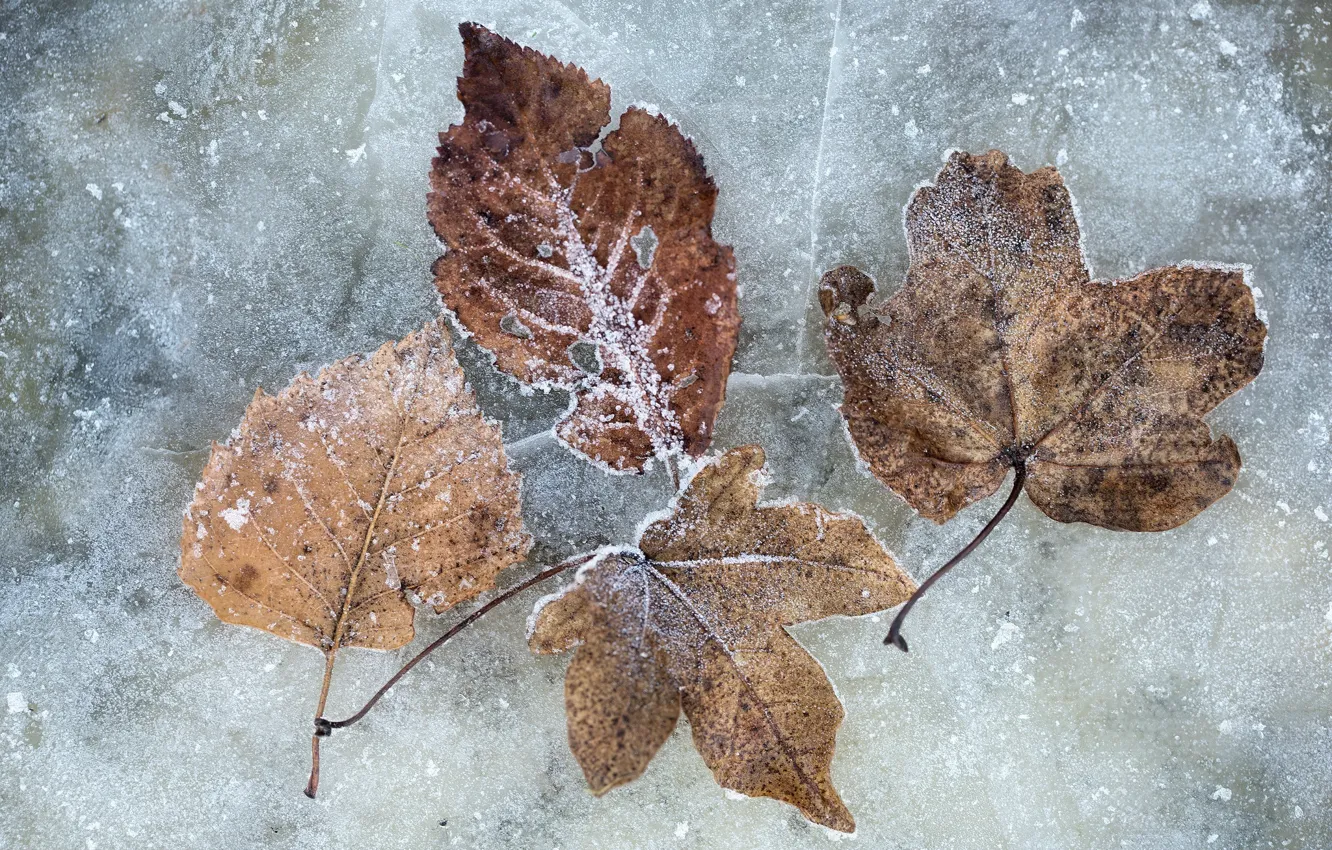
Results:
324 726
895 630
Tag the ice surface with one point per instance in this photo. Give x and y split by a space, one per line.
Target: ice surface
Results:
196 199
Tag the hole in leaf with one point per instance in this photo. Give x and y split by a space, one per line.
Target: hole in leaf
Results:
843 313
544 251
645 245
585 356
512 326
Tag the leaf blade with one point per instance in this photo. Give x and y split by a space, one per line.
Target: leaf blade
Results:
540 260
1106 382
281 520
764 715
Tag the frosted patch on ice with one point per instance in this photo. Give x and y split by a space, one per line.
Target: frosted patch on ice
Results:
17 702
94 190
1007 631
1222 793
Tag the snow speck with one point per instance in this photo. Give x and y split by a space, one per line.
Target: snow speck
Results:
177 110
1320 513
1222 793
740 81
1200 11
1228 47
1061 157
1021 98
1211 839
355 155
94 190
237 517
911 131
682 829
16 702
923 69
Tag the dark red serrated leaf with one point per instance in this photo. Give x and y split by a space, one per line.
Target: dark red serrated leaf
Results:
545 256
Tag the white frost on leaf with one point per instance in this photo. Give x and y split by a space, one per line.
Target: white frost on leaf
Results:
237 517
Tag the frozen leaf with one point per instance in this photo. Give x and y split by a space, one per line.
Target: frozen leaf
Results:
593 272
999 351
694 618
346 496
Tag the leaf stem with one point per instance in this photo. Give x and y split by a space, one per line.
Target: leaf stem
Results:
895 630
324 726
312 784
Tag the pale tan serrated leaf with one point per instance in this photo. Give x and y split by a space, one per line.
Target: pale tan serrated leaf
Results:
347 495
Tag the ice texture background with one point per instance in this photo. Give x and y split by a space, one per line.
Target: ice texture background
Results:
200 198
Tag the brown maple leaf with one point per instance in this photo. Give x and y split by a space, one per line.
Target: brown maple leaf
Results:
349 494
592 272
694 618
1000 351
